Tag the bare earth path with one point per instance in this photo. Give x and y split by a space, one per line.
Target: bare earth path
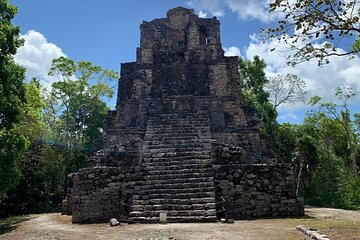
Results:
335 223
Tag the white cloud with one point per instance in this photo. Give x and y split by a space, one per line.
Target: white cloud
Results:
232 51
202 14
36 56
207 6
245 9
288 116
320 81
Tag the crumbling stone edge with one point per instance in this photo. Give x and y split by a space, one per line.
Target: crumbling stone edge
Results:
311 233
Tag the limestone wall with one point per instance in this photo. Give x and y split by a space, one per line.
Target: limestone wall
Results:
100 193
257 190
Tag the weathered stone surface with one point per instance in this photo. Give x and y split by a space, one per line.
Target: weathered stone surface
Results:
311 233
114 222
257 190
180 138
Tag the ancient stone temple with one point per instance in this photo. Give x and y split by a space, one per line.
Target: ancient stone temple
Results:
180 141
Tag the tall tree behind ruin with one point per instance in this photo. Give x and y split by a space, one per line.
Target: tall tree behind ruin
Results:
253 81
12 98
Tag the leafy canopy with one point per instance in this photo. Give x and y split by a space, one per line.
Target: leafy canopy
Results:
317 28
252 82
12 98
75 106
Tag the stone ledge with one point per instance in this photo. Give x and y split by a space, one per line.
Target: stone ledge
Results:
312 233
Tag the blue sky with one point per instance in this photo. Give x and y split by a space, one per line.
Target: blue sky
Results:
107 34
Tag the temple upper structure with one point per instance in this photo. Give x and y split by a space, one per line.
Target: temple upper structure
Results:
180 67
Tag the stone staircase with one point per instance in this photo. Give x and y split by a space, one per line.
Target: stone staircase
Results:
178 177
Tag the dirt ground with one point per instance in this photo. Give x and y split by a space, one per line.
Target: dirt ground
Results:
337 224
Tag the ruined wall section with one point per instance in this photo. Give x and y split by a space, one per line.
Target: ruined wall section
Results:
100 193
257 190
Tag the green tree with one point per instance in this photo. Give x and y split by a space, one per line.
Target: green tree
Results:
325 186
341 114
12 98
293 144
77 108
316 28
32 125
66 120
252 82
335 178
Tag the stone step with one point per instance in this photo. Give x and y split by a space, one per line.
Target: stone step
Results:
179 135
176 159
142 185
178 174
178 166
180 201
189 146
173 191
168 129
178 115
181 128
179 171
172 142
178 130
179 180
181 152
177 123
177 120
204 125
174 136
177 127
176 219
171 148
157 207
168 143
157 162
174 132
159 141
166 157
173 213
183 176
178 147
190 115
178 195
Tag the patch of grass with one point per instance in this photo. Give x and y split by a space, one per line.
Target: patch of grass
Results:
11 223
341 230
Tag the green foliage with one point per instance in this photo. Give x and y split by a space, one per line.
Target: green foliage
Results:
351 189
284 141
12 146
41 186
12 98
323 188
338 116
61 126
252 82
314 29
31 125
76 109
327 143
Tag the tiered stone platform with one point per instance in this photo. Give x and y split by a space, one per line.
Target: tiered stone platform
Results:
180 139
